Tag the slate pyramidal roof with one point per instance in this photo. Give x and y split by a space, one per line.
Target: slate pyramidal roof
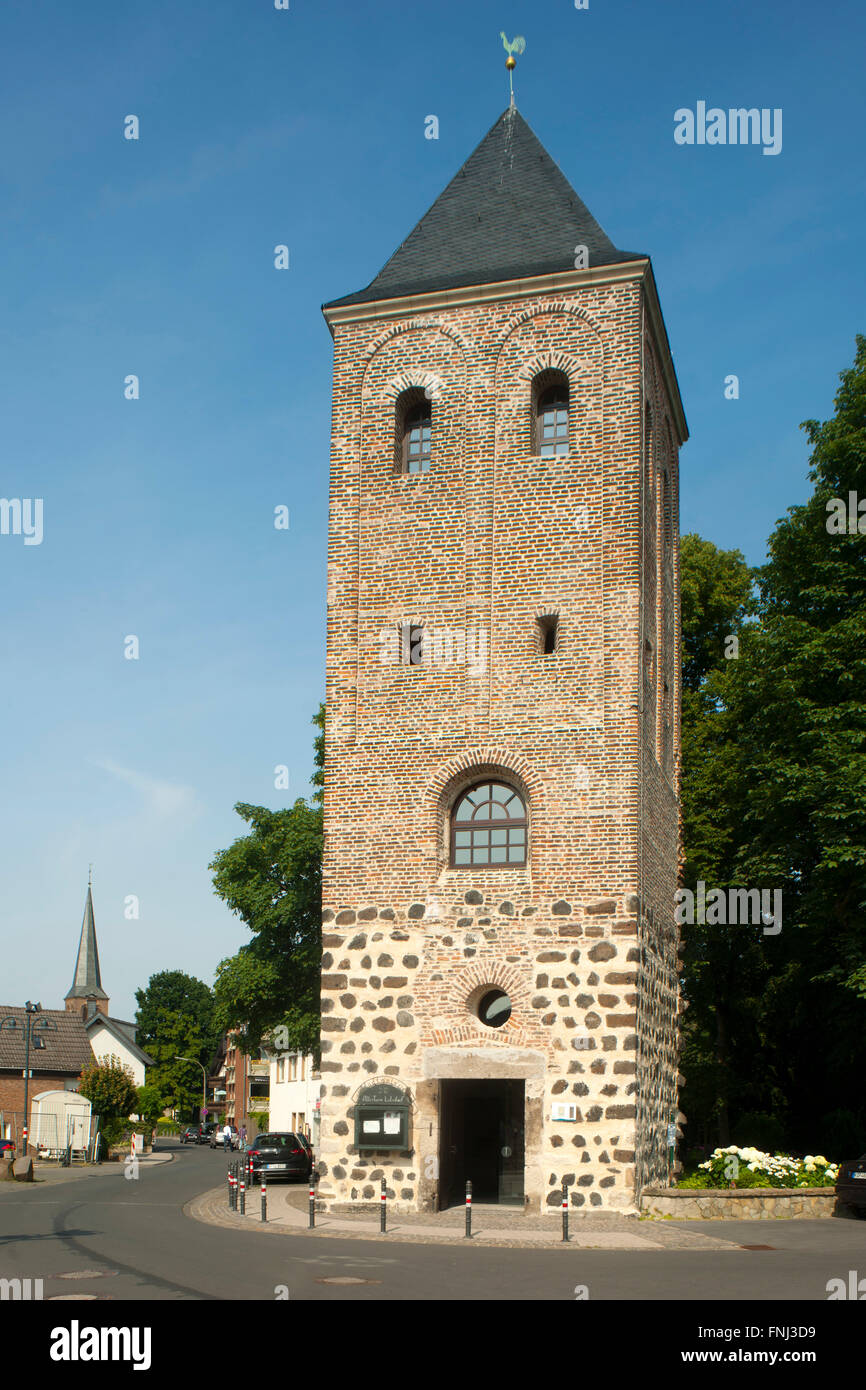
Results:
87 980
508 214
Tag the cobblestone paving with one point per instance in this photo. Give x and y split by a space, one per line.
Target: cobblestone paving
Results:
287 1208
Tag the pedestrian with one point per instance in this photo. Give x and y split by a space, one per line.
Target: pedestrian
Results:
227 1136
243 1138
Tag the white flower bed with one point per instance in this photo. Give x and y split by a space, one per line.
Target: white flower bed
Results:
731 1165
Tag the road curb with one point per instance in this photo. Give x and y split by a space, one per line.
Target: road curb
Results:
211 1209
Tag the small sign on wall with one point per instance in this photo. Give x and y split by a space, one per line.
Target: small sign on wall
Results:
564 1110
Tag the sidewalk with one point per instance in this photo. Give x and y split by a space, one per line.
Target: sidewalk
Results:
288 1214
53 1172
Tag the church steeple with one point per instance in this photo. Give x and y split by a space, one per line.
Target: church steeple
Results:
87 981
509 213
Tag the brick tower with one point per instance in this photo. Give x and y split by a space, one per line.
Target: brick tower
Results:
499 978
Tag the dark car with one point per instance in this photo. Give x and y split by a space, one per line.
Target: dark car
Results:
190 1135
851 1185
306 1141
205 1133
280 1155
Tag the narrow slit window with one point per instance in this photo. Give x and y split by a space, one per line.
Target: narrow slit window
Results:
413 644
547 626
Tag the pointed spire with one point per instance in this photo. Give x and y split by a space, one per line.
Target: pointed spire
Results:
508 213
87 981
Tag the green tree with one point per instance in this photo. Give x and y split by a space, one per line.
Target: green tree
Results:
720 967
774 796
272 879
797 705
149 1103
110 1088
173 991
179 1082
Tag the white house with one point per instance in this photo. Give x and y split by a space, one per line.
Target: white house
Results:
295 1096
112 1037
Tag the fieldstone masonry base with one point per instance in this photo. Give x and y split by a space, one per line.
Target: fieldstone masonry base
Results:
748 1204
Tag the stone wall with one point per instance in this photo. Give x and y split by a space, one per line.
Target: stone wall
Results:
747 1204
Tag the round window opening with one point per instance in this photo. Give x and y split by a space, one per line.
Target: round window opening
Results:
494 1008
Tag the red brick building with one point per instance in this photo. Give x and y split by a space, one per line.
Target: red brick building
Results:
499 979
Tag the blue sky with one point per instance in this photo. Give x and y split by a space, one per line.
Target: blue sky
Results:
155 257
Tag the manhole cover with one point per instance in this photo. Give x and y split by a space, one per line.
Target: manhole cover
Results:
346 1279
757 1247
87 1274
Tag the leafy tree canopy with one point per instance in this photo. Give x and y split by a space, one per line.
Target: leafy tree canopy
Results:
774 796
110 1088
272 879
149 1103
179 1083
173 991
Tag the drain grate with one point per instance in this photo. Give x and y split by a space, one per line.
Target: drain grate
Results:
346 1279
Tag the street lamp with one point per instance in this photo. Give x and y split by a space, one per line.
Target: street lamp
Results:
203 1084
35 1028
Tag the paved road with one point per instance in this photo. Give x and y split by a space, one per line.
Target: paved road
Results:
98 1234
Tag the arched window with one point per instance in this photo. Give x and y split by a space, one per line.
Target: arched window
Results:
550 414
413 432
488 826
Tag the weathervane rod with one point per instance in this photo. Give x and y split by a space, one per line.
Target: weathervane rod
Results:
517 45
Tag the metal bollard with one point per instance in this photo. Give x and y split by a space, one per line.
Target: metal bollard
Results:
243 1191
264 1198
231 1194
312 1198
564 1210
383 1207
468 1210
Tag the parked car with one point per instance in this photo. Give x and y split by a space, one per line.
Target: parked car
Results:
851 1185
305 1140
190 1135
281 1155
205 1134
216 1138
